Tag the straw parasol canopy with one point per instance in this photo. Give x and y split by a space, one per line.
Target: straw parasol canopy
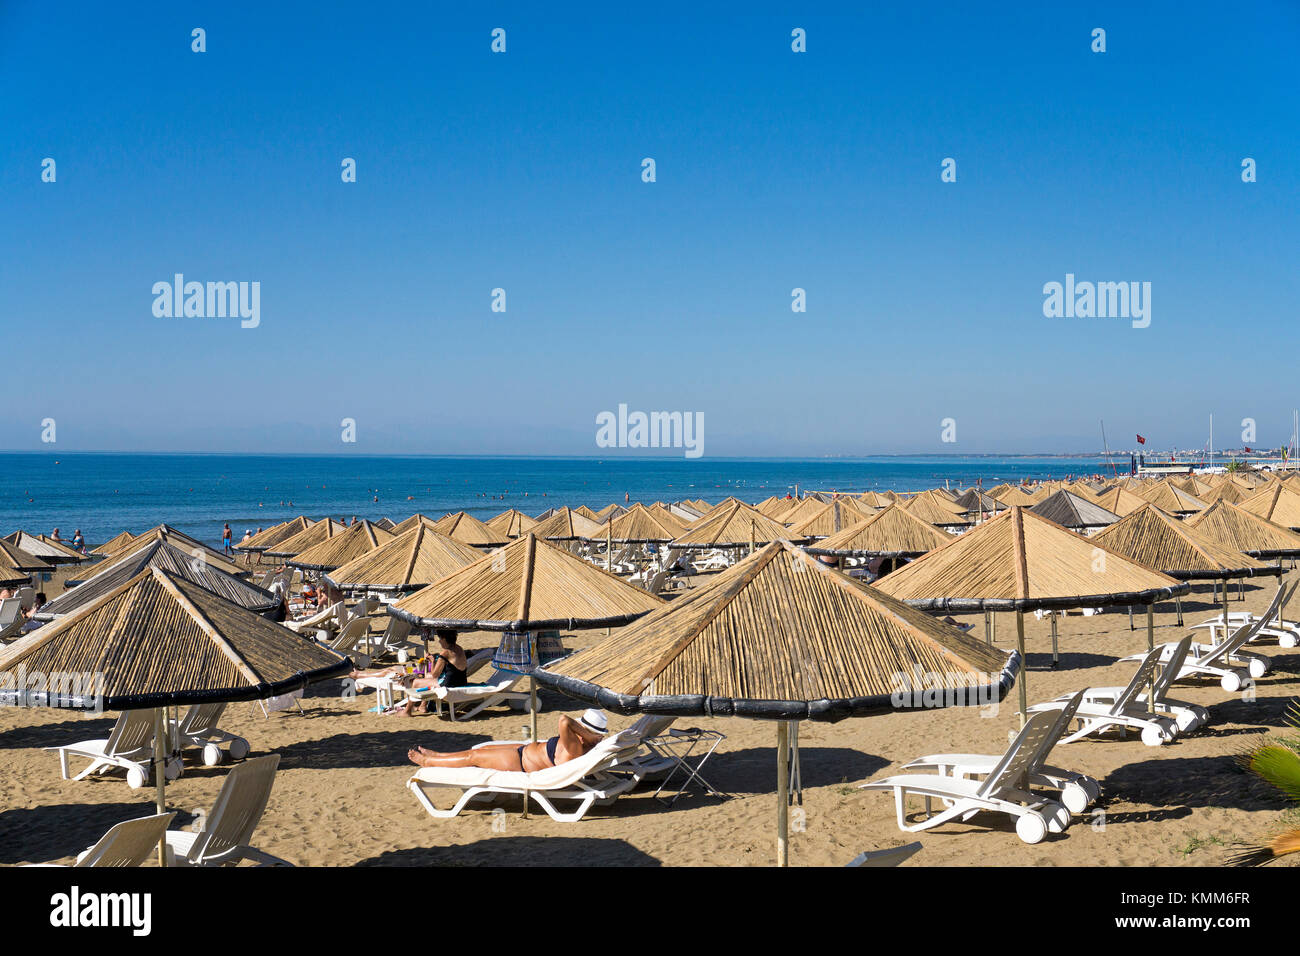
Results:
15 561
1277 503
1074 511
642 525
1016 495
1120 500
512 523
610 510
773 506
1168 497
1226 491
927 508
115 543
406 563
404 526
360 538
975 501
831 519
707 509
529 585
167 556
781 637
273 535
586 513
1234 527
892 532
322 530
874 499
801 511
49 551
386 523
197 549
467 529
158 640
1158 540
1020 561
568 525
737 525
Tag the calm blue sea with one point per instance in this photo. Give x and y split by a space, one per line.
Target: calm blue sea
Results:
103 494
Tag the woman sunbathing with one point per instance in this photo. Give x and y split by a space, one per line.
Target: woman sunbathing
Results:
447 668
575 738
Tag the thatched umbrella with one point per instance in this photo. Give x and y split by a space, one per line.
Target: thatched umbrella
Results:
773 506
163 554
48 550
512 523
1277 503
416 519
609 511
113 544
586 513
1152 537
1074 512
1120 500
1016 495
270 537
640 525
890 533
388 524
831 519
1022 562
17 566
1233 527
980 503
735 526
529 585
406 563
159 641
467 529
928 509
801 511
1174 500
322 530
568 525
781 637
360 538
197 549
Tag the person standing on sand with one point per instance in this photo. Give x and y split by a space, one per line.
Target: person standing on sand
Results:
225 538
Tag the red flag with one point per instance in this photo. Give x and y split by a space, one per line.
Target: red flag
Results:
1141 440
1248 451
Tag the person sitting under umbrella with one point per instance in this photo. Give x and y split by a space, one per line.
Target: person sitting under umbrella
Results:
447 668
575 738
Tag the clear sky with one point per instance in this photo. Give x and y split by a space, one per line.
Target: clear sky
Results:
523 171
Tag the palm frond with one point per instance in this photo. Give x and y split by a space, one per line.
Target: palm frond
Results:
1281 845
1280 766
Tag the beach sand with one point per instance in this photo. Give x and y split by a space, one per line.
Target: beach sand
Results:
340 796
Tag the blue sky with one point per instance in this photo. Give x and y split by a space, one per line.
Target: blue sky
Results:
522 171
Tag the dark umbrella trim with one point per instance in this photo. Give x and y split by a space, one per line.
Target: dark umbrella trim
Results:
554 624
9 698
825 710
864 552
1116 599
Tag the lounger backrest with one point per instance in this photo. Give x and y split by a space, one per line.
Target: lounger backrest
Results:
201 719
133 732
396 632
1063 718
237 810
9 609
1138 682
1015 763
478 660
352 632
1170 669
651 725
128 843
1235 642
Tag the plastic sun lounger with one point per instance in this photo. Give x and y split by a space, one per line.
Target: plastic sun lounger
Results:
1078 791
585 780
128 843
198 728
227 831
129 747
999 792
387 688
1225 660
1270 624
1122 712
499 689
1187 716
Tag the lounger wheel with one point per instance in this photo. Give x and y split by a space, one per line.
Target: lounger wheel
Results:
135 778
173 768
1258 667
1056 815
1287 640
212 755
1075 797
1231 682
1188 720
1154 736
239 748
1031 827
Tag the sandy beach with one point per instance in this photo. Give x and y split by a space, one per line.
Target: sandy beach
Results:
340 799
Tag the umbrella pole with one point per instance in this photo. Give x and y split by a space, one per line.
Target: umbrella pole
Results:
782 793
1178 602
1056 659
1225 609
160 773
1151 646
1024 666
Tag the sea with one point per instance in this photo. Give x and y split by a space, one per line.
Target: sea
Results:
103 494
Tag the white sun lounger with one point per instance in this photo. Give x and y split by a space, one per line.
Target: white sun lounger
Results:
198 728
11 618
585 780
128 843
129 747
999 792
319 620
1225 660
499 689
225 835
1120 711
1078 791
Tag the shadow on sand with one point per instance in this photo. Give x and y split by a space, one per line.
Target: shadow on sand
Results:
520 851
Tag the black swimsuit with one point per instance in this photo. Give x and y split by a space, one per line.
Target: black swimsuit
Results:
452 676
